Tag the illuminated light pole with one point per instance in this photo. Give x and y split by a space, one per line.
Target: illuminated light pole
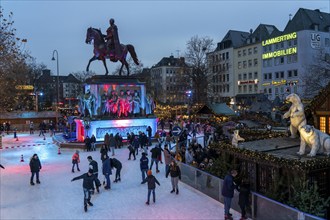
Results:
58 85
37 102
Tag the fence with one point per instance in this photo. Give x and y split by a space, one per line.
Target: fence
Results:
261 206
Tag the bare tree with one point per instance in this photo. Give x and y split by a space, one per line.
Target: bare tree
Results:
318 75
83 75
195 55
13 67
133 68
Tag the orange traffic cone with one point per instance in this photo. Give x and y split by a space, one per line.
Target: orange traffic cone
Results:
22 159
59 150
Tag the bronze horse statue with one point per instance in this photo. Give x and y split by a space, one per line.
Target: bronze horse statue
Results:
101 52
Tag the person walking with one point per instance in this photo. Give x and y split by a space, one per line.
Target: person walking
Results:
112 143
35 167
103 151
106 169
107 141
167 158
42 129
93 142
31 127
136 145
227 192
244 195
75 160
94 166
88 179
116 164
175 172
87 143
149 130
144 165
151 180
155 152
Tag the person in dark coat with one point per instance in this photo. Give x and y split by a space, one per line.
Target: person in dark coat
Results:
88 186
175 172
227 192
149 130
2 166
116 164
94 166
151 186
144 165
136 144
243 199
106 170
131 151
155 152
107 141
93 142
88 143
103 151
35 167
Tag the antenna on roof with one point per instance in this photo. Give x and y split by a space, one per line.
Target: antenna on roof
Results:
290 15
178 52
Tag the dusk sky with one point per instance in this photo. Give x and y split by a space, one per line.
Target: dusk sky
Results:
157 29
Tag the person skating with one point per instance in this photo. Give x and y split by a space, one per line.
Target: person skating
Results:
116 164
94 166
175 172
106 169
35 167
155 152
88 179
93 142
227 192
144 165
131 151
151 180
75 160
167 158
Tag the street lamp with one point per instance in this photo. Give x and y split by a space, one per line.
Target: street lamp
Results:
37 103
58 85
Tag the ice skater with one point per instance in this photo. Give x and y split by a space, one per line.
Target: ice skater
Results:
75 160
144 165
106 170
175 172
116 164
88 187
151 186
35 167
94 166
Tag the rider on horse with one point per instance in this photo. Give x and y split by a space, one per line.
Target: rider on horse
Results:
112 38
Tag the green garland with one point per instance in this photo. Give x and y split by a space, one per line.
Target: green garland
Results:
265 158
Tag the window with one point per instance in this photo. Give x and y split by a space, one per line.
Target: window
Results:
244 64
250 75
255 61
323 124
227 55
223 56
227 87
255 75
227 66
265 75
239 53
244 52
239 65
255 50
244 88
295 72
239 76
276 91
239 89
227 77
244 76
255 88
250 63
282 74
223 78
269 75
250 88
276 75
270 90
250 51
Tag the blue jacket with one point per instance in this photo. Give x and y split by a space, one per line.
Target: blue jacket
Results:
144 161
228 186
106 167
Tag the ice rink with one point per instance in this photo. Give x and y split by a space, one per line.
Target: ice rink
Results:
59 198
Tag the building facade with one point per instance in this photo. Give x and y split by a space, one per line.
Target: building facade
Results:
170 81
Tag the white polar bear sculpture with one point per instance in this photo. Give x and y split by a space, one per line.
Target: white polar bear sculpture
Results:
236 138
316 139
296 114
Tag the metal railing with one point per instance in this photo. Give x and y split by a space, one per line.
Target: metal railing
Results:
261 206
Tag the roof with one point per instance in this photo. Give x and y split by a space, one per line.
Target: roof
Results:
261 105
305 19
263 31
320 98
171 61
233 39
219 109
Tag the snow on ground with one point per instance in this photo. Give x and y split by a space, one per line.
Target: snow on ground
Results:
59 198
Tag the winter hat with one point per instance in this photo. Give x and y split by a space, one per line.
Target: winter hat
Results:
90 171
89 158
35 155
149 172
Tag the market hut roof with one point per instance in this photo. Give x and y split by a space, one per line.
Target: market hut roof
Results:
218 109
